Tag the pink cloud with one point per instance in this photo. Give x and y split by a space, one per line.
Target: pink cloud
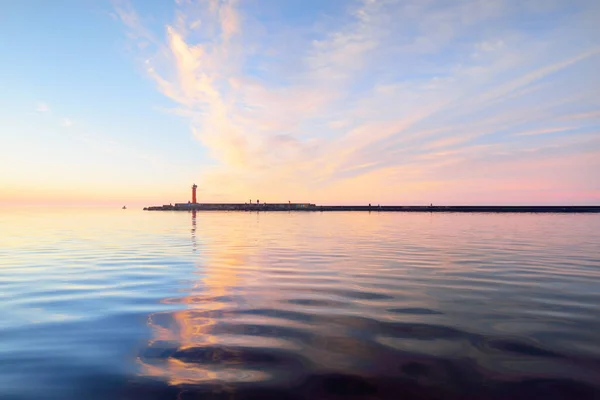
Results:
310 136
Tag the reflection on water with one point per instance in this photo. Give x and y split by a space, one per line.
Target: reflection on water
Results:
100 304
188 329
194 246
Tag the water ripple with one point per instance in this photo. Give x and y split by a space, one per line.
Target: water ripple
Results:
126 305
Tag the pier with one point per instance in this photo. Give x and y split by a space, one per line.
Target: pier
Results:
289 206
300 207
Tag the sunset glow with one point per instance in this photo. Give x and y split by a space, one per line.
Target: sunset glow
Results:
329 102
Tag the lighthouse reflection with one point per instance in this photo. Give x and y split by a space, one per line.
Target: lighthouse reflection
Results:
193 231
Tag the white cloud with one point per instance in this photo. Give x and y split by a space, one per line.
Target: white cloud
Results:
66 122
42 107
491 45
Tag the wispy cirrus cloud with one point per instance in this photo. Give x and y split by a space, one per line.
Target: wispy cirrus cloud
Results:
546 131
385 99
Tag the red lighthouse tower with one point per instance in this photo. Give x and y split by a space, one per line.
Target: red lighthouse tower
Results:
194 193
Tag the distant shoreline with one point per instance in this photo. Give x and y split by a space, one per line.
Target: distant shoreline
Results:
374 208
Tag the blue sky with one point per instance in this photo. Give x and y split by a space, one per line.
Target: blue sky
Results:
462 102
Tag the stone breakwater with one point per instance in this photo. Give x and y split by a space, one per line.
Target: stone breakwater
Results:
313 207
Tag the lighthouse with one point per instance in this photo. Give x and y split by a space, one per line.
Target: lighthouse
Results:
194 193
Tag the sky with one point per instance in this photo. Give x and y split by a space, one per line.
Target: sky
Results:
329 102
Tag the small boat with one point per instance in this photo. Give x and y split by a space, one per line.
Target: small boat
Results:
124 208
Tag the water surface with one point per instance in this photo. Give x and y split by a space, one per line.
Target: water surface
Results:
129 304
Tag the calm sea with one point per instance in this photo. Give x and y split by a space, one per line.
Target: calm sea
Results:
127 304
